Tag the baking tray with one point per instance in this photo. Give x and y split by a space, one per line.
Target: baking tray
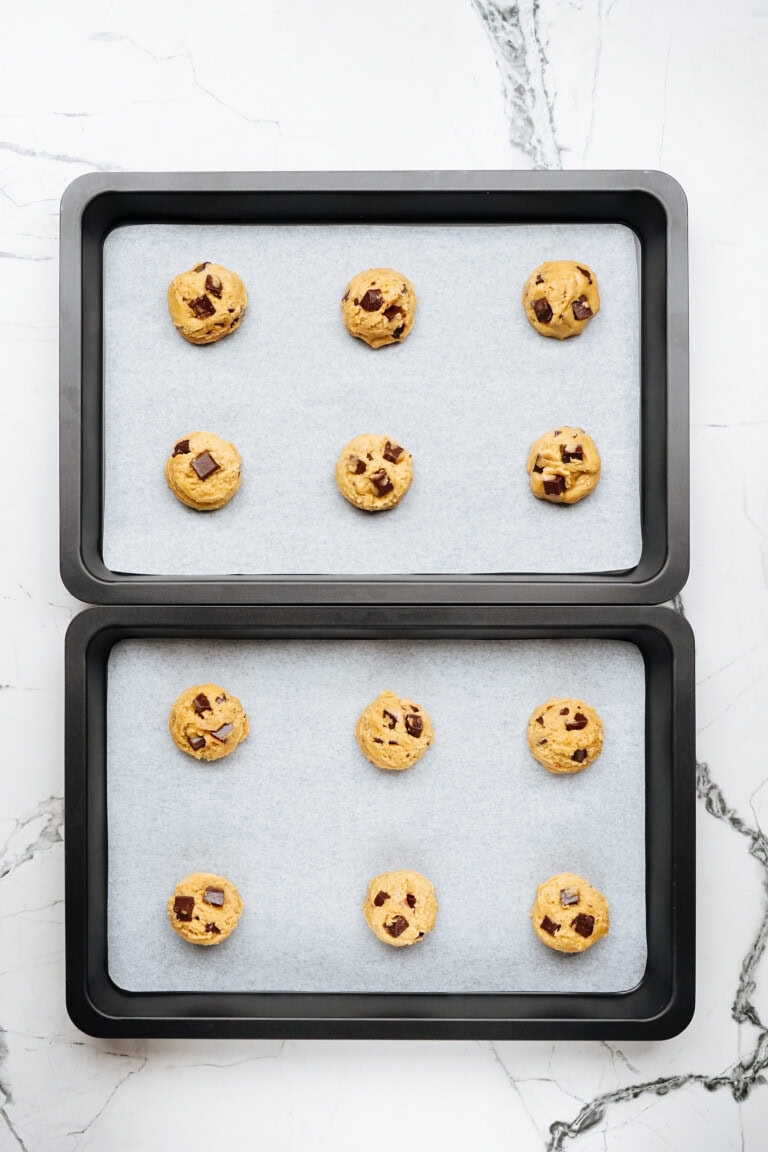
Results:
650 204
658 1006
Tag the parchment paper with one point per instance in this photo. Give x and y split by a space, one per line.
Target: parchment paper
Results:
300 821
468 392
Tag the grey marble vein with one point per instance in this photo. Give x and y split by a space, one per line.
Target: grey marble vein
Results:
60 157
521 59
5 1091
52 810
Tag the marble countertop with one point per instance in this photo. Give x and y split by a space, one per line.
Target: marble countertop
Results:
422 84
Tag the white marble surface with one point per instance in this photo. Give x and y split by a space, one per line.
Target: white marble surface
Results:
421 84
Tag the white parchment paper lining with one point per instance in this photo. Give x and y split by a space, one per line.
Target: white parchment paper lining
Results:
300 821
468 392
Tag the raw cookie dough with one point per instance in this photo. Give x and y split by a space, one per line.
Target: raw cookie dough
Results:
393 732
400 907
565 735
378 306
560 298
568 914
205 908
564 465
374 472
203 471
207 302
206 722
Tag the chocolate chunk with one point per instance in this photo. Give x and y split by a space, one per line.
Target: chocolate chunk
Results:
583 924
392 452
550 926
201 267
220 699
345 297
555 486
565 711
414 725
201 704
377 741
404 290
355 465
396 927
542 741
579 755
368 456
355 301
568 453
581 310
372 300
569 896
379 898
537 466
399 331
539 278
579 721
213 285
196 742
214 896
221 733
181 448
396 742
542 309
202 307
413 707
420 935
410 900
540 720
392 311
382 482
212 928
390 719
557 432
183 907
205 465
584 272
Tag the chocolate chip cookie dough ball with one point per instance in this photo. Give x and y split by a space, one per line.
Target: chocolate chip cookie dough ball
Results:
203 471
374 472
378 306
207 302
206 722
565 735
568 914
205 908
393 732
400 907
560 298
564 466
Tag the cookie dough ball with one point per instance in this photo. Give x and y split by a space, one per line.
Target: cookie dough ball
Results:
207 302
206 722
205 908
564 466
378 306
393 732
560 298
400 907
565 735
568 914
203 471
374 472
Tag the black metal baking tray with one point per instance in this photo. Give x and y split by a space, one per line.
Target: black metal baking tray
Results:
650 203
659 1006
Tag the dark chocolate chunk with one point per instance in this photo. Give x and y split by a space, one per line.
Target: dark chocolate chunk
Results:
410 900
543 740
202 307
379 898
181 448
396 742
201 704
396 927
196 742
205 465
550 926
539 278
183 907
404 290
540 720
392 452
414 725
569 896
556 432
345 297
382 482
355 465
214 896
565 711
368 456
220 699
579 721
583 924
413 708
213 285
201 267
581 310
212 928
579 755
392 311
584 272
355 301
555 486
399 331
567 454
222 733
538 467
391 720
542 309
377 741
372 300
